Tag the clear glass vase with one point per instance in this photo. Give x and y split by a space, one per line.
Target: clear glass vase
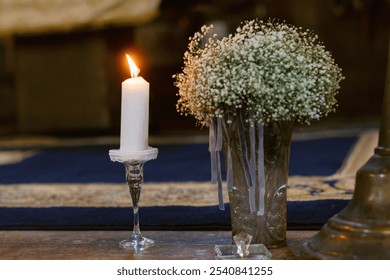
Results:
267 227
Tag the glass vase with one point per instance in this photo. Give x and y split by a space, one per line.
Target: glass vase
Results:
269 226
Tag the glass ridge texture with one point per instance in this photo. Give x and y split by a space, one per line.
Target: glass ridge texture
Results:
270 228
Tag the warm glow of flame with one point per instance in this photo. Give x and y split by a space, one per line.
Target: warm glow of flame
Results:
134 70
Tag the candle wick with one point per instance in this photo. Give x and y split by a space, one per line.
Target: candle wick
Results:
134 72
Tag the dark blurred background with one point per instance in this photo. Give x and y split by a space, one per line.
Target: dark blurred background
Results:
64 78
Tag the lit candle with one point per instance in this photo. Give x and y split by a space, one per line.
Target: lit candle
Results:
135 111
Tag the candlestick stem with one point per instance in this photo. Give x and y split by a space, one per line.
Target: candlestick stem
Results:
134 178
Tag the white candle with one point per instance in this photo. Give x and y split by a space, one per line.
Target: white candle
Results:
134 112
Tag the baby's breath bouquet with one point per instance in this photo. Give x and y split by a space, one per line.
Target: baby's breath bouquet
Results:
250 88
275 70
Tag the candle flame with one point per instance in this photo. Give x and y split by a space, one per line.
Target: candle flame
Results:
134 70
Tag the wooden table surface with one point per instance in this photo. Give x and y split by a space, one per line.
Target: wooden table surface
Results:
103 245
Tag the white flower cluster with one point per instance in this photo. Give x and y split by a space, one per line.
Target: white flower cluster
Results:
270 70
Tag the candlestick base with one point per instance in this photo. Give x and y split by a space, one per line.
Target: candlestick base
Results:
362 229
136 242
